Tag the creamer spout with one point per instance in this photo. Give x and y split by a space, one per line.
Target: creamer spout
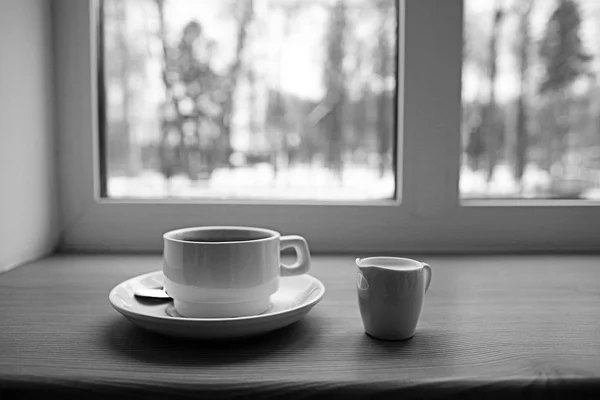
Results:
364 265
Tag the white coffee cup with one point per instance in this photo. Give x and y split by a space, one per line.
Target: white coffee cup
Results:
227 271
391 292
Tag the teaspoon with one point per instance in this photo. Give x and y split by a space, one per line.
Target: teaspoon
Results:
152 293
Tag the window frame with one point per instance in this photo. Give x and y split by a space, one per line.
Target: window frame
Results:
430 218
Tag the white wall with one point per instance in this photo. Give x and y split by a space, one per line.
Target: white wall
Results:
28 195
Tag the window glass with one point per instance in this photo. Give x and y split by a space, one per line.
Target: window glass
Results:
531 99
249 99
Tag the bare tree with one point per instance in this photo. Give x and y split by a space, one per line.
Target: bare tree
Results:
128 62
523 49
475 49
171 158
564 59
332 124
384 69
196 76
491 116
244 12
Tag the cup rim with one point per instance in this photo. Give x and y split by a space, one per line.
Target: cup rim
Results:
169 235
366 261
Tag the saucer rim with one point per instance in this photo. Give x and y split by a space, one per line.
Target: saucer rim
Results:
300 307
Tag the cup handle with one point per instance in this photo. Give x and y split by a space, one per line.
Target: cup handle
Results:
427 269
302 264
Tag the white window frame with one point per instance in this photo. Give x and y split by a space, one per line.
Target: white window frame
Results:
428 219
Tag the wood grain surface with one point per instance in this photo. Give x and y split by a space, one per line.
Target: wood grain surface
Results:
505 327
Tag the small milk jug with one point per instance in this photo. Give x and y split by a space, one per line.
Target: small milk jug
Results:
391 292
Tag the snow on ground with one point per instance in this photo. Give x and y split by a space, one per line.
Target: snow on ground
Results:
536 184
318 183
502 184
260 182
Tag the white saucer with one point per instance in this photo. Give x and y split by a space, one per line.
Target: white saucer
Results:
295 297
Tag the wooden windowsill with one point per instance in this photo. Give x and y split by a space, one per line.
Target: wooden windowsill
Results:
527 325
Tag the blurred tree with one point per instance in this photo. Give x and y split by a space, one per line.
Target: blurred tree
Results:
564 60
197 97
385 71
523 49
123 76
251 75
332 124
475 148
492 121
290 130
173 153
361 115
474 56
243 10
594 126
197 90
128 63
561 49
278 119
278 124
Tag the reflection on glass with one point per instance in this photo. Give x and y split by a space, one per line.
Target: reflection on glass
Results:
531 99
259 99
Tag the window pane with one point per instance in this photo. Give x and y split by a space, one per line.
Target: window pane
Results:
531 99
267 99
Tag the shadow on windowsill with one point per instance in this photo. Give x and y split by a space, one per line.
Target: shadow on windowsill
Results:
130 341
